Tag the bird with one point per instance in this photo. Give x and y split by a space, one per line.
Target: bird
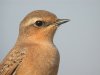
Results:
34 52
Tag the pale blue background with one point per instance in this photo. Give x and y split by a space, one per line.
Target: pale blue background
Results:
78 41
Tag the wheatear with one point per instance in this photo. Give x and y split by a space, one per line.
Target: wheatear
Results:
34 52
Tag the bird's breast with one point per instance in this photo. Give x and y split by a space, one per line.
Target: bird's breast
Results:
40 60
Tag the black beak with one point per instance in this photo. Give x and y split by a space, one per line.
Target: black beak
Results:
61 21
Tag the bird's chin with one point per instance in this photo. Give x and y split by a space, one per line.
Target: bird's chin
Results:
57 26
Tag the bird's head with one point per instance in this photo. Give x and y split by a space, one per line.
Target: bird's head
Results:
40 25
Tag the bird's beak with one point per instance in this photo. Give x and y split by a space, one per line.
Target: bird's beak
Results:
61 21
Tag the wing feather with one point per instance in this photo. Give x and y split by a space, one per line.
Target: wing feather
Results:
11 62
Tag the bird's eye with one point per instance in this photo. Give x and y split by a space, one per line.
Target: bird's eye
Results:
39 23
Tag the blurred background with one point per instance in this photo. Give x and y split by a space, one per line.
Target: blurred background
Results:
78 41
